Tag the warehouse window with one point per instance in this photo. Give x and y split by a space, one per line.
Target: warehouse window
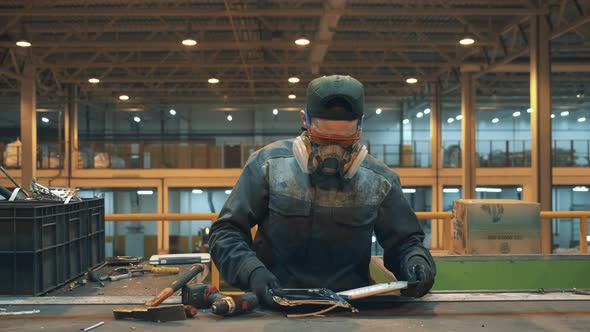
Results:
193 235
451 129
570 124
503 131
128 238
566 231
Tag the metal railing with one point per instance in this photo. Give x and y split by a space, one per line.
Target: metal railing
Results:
510 153
406 154
571 153
546 216
492 153
191 154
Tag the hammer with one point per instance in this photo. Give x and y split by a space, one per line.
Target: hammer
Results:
152 312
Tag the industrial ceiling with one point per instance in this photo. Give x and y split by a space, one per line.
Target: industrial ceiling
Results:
135 47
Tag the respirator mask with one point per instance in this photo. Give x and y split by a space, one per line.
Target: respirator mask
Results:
329 156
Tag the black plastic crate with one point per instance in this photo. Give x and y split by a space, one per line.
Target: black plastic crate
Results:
96 246
45 243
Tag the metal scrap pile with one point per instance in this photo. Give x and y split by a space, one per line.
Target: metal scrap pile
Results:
38 192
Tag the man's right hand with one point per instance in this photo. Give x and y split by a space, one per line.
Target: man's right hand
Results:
261 282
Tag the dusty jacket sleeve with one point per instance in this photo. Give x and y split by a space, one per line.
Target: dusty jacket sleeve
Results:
399 232
230 241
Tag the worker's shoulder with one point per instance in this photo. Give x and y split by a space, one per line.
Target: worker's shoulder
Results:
379 168
278 149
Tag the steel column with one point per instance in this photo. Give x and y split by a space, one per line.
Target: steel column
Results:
28 126
468 134
540 89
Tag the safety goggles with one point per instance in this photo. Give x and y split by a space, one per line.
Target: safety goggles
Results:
344 142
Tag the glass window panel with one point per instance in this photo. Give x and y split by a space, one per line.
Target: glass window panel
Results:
128 238
451 129
566 230
193 235
503 135
570 124
10 144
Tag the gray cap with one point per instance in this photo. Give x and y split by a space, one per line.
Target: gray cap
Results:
327 96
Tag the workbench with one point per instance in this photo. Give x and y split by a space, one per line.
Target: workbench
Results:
63 310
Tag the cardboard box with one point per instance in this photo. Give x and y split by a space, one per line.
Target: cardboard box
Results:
496 226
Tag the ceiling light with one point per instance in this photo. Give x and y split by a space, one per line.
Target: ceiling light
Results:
23 43
229 117
302 41
408 190
292 96
459 117
93 80
519 189
582 119
197 191
564 113
580 189
123 97
44 119
378 111
529 110
427 111
172 112
495 120
275 111
450 120
145 192
580 94
465 41
406 121
516 114
228 191
189 42
552 116
137 119
293 79
411 80
419 115
213 80
488 190
450 190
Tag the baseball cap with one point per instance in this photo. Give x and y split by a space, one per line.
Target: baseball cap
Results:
335 97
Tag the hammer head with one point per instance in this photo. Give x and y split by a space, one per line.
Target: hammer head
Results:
165 313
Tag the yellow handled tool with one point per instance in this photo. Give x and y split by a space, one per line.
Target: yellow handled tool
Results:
162 270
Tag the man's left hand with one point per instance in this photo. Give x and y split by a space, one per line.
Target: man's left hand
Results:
418 273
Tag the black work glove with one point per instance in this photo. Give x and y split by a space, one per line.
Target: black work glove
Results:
262 281
419 275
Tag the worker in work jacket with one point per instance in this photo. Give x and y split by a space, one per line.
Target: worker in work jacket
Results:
317 201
